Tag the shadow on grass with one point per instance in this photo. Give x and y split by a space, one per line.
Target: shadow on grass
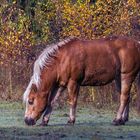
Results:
91 130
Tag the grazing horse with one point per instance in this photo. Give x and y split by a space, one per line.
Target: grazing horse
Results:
72 63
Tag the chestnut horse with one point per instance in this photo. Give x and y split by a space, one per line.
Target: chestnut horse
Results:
72 63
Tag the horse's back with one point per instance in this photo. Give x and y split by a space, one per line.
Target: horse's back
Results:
87 62
97 62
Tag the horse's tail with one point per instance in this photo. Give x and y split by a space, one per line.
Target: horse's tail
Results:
138 82
138 92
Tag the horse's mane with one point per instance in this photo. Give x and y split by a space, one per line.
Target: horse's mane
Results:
44 60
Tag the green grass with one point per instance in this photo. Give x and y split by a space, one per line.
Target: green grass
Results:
91 124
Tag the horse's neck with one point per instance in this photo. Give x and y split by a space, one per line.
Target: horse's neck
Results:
48 79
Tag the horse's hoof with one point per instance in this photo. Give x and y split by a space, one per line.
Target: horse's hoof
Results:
117 122
125 119
44 123
71 122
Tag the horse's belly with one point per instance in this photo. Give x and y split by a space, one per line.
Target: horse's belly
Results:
98 78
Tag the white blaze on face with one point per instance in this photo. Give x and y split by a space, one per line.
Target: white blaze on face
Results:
26 110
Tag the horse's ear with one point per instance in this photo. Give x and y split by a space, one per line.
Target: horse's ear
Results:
34 88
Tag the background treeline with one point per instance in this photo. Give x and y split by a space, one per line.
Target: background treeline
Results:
27 25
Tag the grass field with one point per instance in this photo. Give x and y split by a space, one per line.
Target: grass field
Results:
91 124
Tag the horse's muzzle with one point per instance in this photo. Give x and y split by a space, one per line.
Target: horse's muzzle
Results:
29 121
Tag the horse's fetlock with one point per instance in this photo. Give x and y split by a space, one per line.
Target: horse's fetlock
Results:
117 122
71 121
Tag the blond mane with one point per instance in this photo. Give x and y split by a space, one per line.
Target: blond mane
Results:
44 59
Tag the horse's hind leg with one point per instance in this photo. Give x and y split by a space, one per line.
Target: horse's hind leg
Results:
125 115
73 90
126 83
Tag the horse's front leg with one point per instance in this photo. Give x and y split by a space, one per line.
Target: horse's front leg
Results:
73 90
53 99
46 116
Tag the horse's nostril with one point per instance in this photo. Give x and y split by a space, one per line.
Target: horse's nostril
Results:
29 121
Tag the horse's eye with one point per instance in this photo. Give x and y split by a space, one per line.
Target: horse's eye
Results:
30 102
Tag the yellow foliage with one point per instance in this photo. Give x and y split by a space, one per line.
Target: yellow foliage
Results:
14 36
59 19
101 19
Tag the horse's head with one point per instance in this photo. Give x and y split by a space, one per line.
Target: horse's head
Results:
36 103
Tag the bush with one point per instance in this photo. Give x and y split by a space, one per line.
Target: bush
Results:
25 24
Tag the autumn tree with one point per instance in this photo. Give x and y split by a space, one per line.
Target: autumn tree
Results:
24 24
15 39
